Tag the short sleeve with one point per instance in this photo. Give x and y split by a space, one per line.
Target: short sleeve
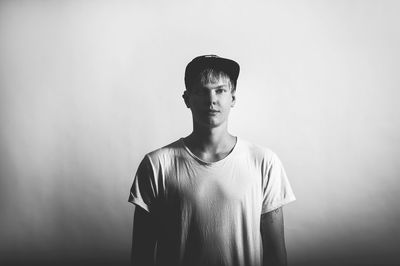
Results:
143 190
276 187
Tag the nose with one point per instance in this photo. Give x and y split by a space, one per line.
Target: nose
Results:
211 98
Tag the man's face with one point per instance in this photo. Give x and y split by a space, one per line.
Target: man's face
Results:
211 103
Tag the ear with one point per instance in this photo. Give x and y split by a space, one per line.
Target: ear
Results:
185 97
233 99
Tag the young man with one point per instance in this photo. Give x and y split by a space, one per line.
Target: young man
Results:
210 198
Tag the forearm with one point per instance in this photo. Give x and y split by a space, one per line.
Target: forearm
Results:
273 255
142 255
143 239
272 234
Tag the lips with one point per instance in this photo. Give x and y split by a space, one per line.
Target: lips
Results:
211 112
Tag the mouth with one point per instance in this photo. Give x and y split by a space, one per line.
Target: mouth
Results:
211 112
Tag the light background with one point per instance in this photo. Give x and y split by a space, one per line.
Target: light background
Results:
88 87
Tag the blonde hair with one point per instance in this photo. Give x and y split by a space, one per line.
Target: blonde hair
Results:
210 75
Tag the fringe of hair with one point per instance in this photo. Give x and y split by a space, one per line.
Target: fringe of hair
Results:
213 76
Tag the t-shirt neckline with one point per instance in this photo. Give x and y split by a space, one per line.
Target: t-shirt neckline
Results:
227 157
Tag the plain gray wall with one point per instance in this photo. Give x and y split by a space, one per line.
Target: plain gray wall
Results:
88 87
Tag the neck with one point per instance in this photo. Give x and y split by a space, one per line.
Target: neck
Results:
210 138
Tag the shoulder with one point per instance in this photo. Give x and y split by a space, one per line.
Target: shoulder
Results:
165 153
256 151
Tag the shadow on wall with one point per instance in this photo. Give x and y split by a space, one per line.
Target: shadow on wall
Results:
121 259
62 258
355 260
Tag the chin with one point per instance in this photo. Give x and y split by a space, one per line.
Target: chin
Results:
210 124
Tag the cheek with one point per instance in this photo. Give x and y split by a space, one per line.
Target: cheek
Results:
198 101
195 105
229 101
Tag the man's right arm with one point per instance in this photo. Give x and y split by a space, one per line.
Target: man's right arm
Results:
143 238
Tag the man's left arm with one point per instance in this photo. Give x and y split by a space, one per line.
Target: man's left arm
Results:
273 238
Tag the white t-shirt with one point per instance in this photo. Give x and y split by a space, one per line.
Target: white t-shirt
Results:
208 213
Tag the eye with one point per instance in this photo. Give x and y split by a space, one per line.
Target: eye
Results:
219 91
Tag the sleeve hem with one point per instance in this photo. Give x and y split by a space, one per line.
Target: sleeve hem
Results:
277 205
139 203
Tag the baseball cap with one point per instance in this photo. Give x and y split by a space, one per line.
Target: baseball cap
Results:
198 64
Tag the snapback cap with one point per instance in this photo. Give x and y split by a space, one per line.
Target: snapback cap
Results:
198 64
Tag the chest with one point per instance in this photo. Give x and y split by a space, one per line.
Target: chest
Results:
227 186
